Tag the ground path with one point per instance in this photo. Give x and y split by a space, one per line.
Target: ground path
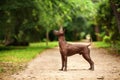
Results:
46 65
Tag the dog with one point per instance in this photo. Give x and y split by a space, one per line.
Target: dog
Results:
71 49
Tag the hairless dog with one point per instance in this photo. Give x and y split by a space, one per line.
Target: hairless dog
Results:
71 49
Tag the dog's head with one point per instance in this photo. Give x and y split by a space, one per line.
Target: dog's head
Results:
60 32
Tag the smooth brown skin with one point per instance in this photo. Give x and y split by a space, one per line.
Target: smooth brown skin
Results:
71 49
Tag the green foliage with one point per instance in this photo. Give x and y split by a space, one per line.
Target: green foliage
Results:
26 17
18 16
101 35
72 14
106 21
107 39
84 14
76 27
116 47
23 54
21 19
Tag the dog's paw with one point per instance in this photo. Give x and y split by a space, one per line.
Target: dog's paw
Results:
92 69
60 69
65 69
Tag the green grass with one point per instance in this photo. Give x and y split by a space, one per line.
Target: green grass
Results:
112 48
23 54
1 69
101 45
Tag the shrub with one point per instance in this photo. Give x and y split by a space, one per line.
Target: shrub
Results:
106 39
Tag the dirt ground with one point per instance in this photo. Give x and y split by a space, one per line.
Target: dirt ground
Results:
46 67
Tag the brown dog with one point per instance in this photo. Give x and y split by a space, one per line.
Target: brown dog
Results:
71 49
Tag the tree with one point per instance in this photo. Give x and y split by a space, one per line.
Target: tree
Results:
64 12
53 13
17 16
106 21
25 17
115 5
84 15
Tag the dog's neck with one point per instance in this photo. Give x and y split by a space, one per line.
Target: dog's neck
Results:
62 41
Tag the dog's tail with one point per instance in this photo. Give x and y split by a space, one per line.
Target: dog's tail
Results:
90 42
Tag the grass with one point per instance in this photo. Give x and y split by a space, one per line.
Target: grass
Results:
23 54
101 44
112 48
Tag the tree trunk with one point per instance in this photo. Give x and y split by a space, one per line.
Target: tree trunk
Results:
97 31
47 37
116 13
7 38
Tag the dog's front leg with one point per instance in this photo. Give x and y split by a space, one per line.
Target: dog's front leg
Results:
65 59
62 59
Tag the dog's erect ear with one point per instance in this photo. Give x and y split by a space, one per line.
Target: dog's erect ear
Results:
61 29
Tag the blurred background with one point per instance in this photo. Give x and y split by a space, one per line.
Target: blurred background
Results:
28 21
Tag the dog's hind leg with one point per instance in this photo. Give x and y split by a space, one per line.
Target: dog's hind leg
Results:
86 56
